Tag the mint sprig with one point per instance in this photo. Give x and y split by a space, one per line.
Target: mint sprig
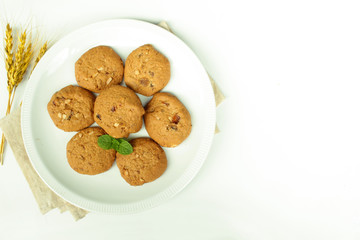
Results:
119 144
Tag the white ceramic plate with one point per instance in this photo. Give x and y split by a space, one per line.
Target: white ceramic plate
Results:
108 192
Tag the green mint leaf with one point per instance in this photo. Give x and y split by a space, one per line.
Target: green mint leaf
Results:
120 145
105 142
124 147
115 144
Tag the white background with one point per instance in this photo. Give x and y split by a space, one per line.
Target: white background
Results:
286 164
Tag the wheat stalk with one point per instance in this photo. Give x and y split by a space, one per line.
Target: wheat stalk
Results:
9 65
16 65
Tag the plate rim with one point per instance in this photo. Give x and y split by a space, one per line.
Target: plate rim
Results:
123 208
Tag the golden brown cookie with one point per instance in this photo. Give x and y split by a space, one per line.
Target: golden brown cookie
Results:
118 111
146 163
85 156
72 108
167 120
147 71
99 68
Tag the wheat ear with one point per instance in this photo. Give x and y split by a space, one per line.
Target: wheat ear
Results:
9 52
42 51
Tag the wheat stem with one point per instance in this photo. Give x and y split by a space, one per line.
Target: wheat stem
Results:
3 136
2 149
11 102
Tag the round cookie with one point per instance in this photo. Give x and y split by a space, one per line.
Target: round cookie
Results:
167 120
146 163
85 156
99 68
72 108
147 71
118 111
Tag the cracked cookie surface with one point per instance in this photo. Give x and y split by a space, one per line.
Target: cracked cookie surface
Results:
72 108
145 164
118 110
147 71
85 156
99 68
167 120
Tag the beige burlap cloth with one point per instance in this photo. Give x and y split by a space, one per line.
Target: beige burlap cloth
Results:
44 196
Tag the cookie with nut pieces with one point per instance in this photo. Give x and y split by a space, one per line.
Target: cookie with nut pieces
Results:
72 108
99 68
147 71
85 156
145 164
118 110
167 120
